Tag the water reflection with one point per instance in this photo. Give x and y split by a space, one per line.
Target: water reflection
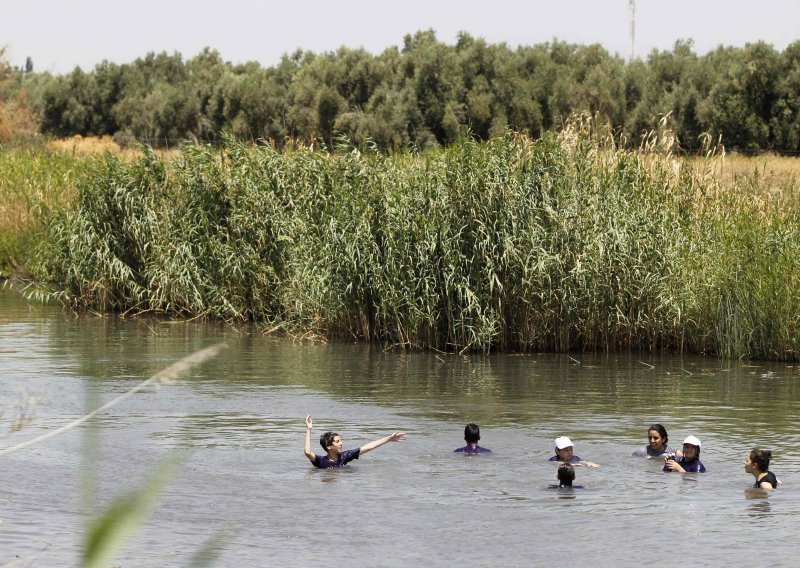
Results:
761 508
241 419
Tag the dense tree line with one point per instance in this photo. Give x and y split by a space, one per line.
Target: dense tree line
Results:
427 93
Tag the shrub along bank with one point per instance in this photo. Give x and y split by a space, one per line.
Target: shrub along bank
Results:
565 243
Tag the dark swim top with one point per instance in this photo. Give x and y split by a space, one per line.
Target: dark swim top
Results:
472 449
695 466
346 456
769 478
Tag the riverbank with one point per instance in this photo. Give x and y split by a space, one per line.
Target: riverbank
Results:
560 244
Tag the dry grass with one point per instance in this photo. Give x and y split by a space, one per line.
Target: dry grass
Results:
32 182
774 172
83 146
16 120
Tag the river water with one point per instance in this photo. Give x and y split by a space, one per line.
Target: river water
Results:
244 494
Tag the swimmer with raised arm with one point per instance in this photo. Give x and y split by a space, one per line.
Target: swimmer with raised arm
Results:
335 456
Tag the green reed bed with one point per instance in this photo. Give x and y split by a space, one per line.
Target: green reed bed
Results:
32 181
565 243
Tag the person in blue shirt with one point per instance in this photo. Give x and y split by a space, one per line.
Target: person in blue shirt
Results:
472 435
335 456
690 461
658 444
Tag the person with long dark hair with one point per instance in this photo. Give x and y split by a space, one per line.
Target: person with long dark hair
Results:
757 463
658 443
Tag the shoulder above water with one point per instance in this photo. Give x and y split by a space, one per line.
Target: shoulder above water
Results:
472 450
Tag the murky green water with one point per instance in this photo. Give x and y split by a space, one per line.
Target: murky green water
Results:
246 490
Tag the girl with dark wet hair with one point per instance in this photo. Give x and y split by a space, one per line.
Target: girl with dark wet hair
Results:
566 475
757 463
658 445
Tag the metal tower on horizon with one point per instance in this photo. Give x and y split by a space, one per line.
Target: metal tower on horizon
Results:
632 6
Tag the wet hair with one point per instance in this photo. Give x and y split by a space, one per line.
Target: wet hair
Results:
760 459
661 431
327 439
566 474
472 433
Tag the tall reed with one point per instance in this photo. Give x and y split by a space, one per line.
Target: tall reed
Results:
557 244
32 181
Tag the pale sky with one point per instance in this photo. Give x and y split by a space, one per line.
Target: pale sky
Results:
59 35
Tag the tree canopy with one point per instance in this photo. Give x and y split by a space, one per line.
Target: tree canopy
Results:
426 93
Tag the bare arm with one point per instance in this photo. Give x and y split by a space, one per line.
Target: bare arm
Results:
307 450
673 465
396 437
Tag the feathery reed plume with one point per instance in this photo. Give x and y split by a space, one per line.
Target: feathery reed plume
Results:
568 242
164 376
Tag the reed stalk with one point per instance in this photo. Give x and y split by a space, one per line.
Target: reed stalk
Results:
563 243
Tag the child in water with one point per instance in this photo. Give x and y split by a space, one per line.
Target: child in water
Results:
757 463
566 475
472 435
332 444
564 453
690 461
657 444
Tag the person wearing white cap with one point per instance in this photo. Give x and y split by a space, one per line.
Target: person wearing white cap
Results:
690 461
564 453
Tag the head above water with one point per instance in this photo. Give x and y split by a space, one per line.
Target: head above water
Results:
691 449
760 459
563 442
328 439
564 448
657 436
472 433
566 475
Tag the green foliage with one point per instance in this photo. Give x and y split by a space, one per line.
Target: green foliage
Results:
33 181
559 244
108 533
427 94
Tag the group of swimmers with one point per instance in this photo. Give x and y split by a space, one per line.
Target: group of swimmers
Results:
685 461
688 461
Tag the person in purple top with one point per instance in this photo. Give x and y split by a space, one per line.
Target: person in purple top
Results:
690 461
332 444
472 435
564 453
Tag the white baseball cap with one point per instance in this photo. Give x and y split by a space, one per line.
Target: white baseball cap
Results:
563 442
692 440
